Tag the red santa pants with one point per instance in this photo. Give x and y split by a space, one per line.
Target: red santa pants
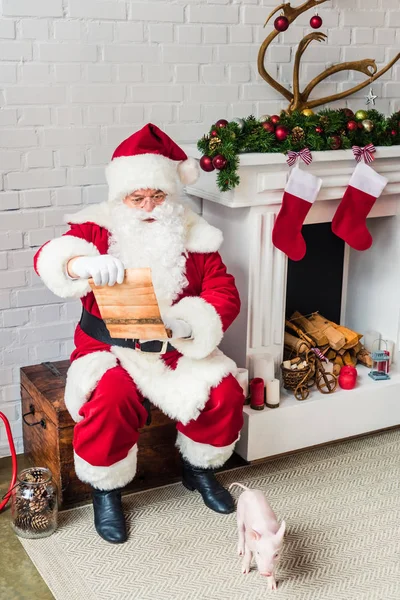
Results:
108 433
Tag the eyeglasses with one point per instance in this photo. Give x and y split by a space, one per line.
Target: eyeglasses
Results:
157 198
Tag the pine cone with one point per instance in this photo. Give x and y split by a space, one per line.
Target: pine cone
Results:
38 476
39 522
297 135
22 505
39 491
38 505
23 521
214 143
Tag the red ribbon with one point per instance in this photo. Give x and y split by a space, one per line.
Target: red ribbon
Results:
304 154
366 153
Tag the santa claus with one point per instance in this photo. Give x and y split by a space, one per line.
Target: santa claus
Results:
144 224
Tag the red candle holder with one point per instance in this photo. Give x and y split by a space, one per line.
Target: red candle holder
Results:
257 393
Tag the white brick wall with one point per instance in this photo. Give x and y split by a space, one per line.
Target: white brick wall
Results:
78 76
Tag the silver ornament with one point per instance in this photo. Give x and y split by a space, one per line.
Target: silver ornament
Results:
368 125
264 118
239 122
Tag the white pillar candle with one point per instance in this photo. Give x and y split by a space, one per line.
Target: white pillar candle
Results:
273 393
242 375
263 366
372 340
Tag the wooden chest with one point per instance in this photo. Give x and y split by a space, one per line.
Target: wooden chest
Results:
48 443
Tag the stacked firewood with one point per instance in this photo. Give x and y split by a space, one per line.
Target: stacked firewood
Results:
340 345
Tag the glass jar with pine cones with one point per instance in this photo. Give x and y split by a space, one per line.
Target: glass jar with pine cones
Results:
34 507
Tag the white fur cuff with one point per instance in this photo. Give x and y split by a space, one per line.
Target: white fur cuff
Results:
83 376
203 455
107 478
205 323
52 265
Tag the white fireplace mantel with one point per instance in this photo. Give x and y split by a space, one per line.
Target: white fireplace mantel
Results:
263 176
246 216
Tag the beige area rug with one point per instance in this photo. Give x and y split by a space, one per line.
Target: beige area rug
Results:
342 508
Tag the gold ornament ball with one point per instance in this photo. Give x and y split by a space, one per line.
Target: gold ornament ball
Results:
368 125
264 118
360 115
307 112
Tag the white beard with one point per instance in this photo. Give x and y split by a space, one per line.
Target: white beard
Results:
158 245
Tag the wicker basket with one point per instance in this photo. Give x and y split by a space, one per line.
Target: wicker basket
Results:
292 378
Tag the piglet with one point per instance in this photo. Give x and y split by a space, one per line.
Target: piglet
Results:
259 533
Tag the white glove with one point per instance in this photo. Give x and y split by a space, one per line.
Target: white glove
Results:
179 328
104 269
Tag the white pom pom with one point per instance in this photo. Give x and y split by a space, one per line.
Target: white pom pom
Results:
188 171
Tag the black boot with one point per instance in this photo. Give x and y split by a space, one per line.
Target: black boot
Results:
109 519
214 495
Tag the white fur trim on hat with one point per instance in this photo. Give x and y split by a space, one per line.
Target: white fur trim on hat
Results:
127 174
203 455
82 378
52 265
188 171
107 478
206 326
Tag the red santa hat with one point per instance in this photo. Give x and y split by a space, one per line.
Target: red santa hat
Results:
149 159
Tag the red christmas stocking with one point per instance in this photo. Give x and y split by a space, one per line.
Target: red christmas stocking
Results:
349 222
300 193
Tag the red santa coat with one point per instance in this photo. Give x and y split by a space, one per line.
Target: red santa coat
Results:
178 383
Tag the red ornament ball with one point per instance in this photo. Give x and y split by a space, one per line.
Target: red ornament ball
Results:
221 123
393 132
206 164
281 133
347 377
281 23
360 126
352 125
336 142
268 127
219 162
316 22
349 113
275 119
319 130
214 133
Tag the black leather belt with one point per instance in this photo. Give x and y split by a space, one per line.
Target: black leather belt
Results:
97 329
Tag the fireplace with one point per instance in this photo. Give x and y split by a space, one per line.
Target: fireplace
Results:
360 290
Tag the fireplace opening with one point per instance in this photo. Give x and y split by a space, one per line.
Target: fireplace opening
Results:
347 301
315 283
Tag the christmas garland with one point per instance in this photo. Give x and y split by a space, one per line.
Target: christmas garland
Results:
326 130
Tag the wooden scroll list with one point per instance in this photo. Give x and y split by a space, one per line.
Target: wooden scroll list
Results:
130 309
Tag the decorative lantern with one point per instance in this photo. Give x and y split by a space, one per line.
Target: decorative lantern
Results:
380 366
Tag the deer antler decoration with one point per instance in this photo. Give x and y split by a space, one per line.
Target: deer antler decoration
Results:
300 100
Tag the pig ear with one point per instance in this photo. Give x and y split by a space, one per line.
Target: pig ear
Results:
255 535
281 531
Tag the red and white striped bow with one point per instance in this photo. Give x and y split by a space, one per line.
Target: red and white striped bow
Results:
304 154
366 153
